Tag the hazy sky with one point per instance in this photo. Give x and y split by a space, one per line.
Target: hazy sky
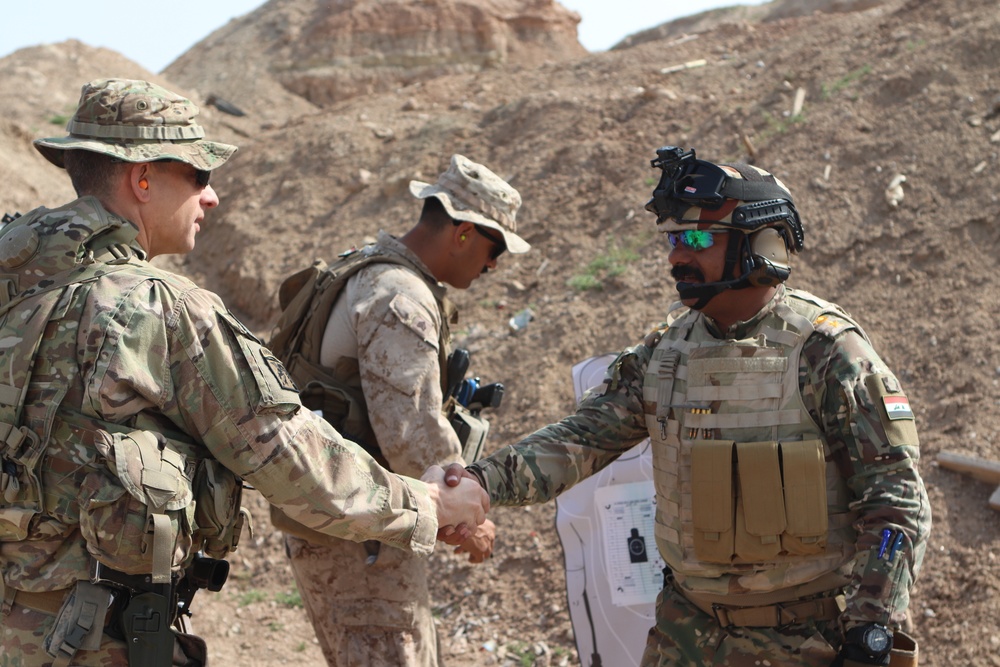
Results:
165 30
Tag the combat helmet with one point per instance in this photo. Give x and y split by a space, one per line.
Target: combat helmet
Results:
730 197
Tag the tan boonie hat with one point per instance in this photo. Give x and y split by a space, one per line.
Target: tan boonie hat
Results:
471 192
136 121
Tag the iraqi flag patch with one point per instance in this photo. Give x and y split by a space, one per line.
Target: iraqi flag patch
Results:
897 407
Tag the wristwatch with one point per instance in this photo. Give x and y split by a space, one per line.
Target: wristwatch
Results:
873 639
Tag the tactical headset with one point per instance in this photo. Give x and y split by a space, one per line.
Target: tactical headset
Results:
754 203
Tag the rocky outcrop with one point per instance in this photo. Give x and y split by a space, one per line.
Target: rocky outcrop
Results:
290 55
771 11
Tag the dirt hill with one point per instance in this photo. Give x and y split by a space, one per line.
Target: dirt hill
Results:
901 89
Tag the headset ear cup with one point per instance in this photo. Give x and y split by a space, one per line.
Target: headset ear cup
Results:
768 258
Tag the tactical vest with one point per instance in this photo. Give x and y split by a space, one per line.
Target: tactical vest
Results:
307 299
744 486
145 500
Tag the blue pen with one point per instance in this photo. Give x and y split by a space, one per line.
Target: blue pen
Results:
886 536
895 546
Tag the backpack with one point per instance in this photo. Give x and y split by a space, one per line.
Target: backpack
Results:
306 299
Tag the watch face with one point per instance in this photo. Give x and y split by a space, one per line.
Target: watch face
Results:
877 640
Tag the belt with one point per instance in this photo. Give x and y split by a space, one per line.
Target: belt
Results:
774 615
48 602
86 624
775 608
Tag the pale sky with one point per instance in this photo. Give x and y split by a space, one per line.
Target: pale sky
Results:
165 30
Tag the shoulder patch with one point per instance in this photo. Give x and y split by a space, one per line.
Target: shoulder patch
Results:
832 325
414 317
893 408
277 369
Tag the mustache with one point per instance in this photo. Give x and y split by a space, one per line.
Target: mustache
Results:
682 273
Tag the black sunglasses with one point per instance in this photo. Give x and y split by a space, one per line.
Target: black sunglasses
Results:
499 245
201 176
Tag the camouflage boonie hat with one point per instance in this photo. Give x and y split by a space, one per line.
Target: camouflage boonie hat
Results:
471 192
136 121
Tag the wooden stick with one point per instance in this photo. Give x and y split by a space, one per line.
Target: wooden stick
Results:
981 469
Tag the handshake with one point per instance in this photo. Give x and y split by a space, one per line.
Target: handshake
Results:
461 505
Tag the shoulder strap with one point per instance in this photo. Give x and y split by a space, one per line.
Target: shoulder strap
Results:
308 297
17 354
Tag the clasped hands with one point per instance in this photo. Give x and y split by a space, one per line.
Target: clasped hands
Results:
461 505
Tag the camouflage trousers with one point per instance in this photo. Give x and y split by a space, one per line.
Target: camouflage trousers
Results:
23 635
366 615
685 636
22 643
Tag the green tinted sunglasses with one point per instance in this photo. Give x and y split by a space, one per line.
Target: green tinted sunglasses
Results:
695 239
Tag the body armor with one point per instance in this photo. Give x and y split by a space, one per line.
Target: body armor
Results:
145 499
307 299
748 499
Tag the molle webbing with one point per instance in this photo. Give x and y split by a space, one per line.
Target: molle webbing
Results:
739 462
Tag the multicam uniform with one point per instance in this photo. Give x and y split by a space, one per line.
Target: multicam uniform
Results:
774 541
388 335
142 348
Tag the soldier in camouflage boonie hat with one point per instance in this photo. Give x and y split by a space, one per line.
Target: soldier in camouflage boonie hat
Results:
471 192
136 121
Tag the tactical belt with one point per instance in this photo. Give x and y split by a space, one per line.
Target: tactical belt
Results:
785 613
48 602
768 610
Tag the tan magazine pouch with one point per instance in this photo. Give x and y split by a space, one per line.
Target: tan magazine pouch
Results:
712 500
804 469
781 505
762 520
904 651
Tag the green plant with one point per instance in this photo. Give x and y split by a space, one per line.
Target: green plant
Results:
251 596
59 119
584 282
776 126
301 647
275 626
845 81
524 653
613 263
290 598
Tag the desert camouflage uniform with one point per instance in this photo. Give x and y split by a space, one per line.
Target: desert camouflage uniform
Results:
881 476
149 349
384 335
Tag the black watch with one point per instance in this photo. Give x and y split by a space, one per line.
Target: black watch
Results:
873 639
